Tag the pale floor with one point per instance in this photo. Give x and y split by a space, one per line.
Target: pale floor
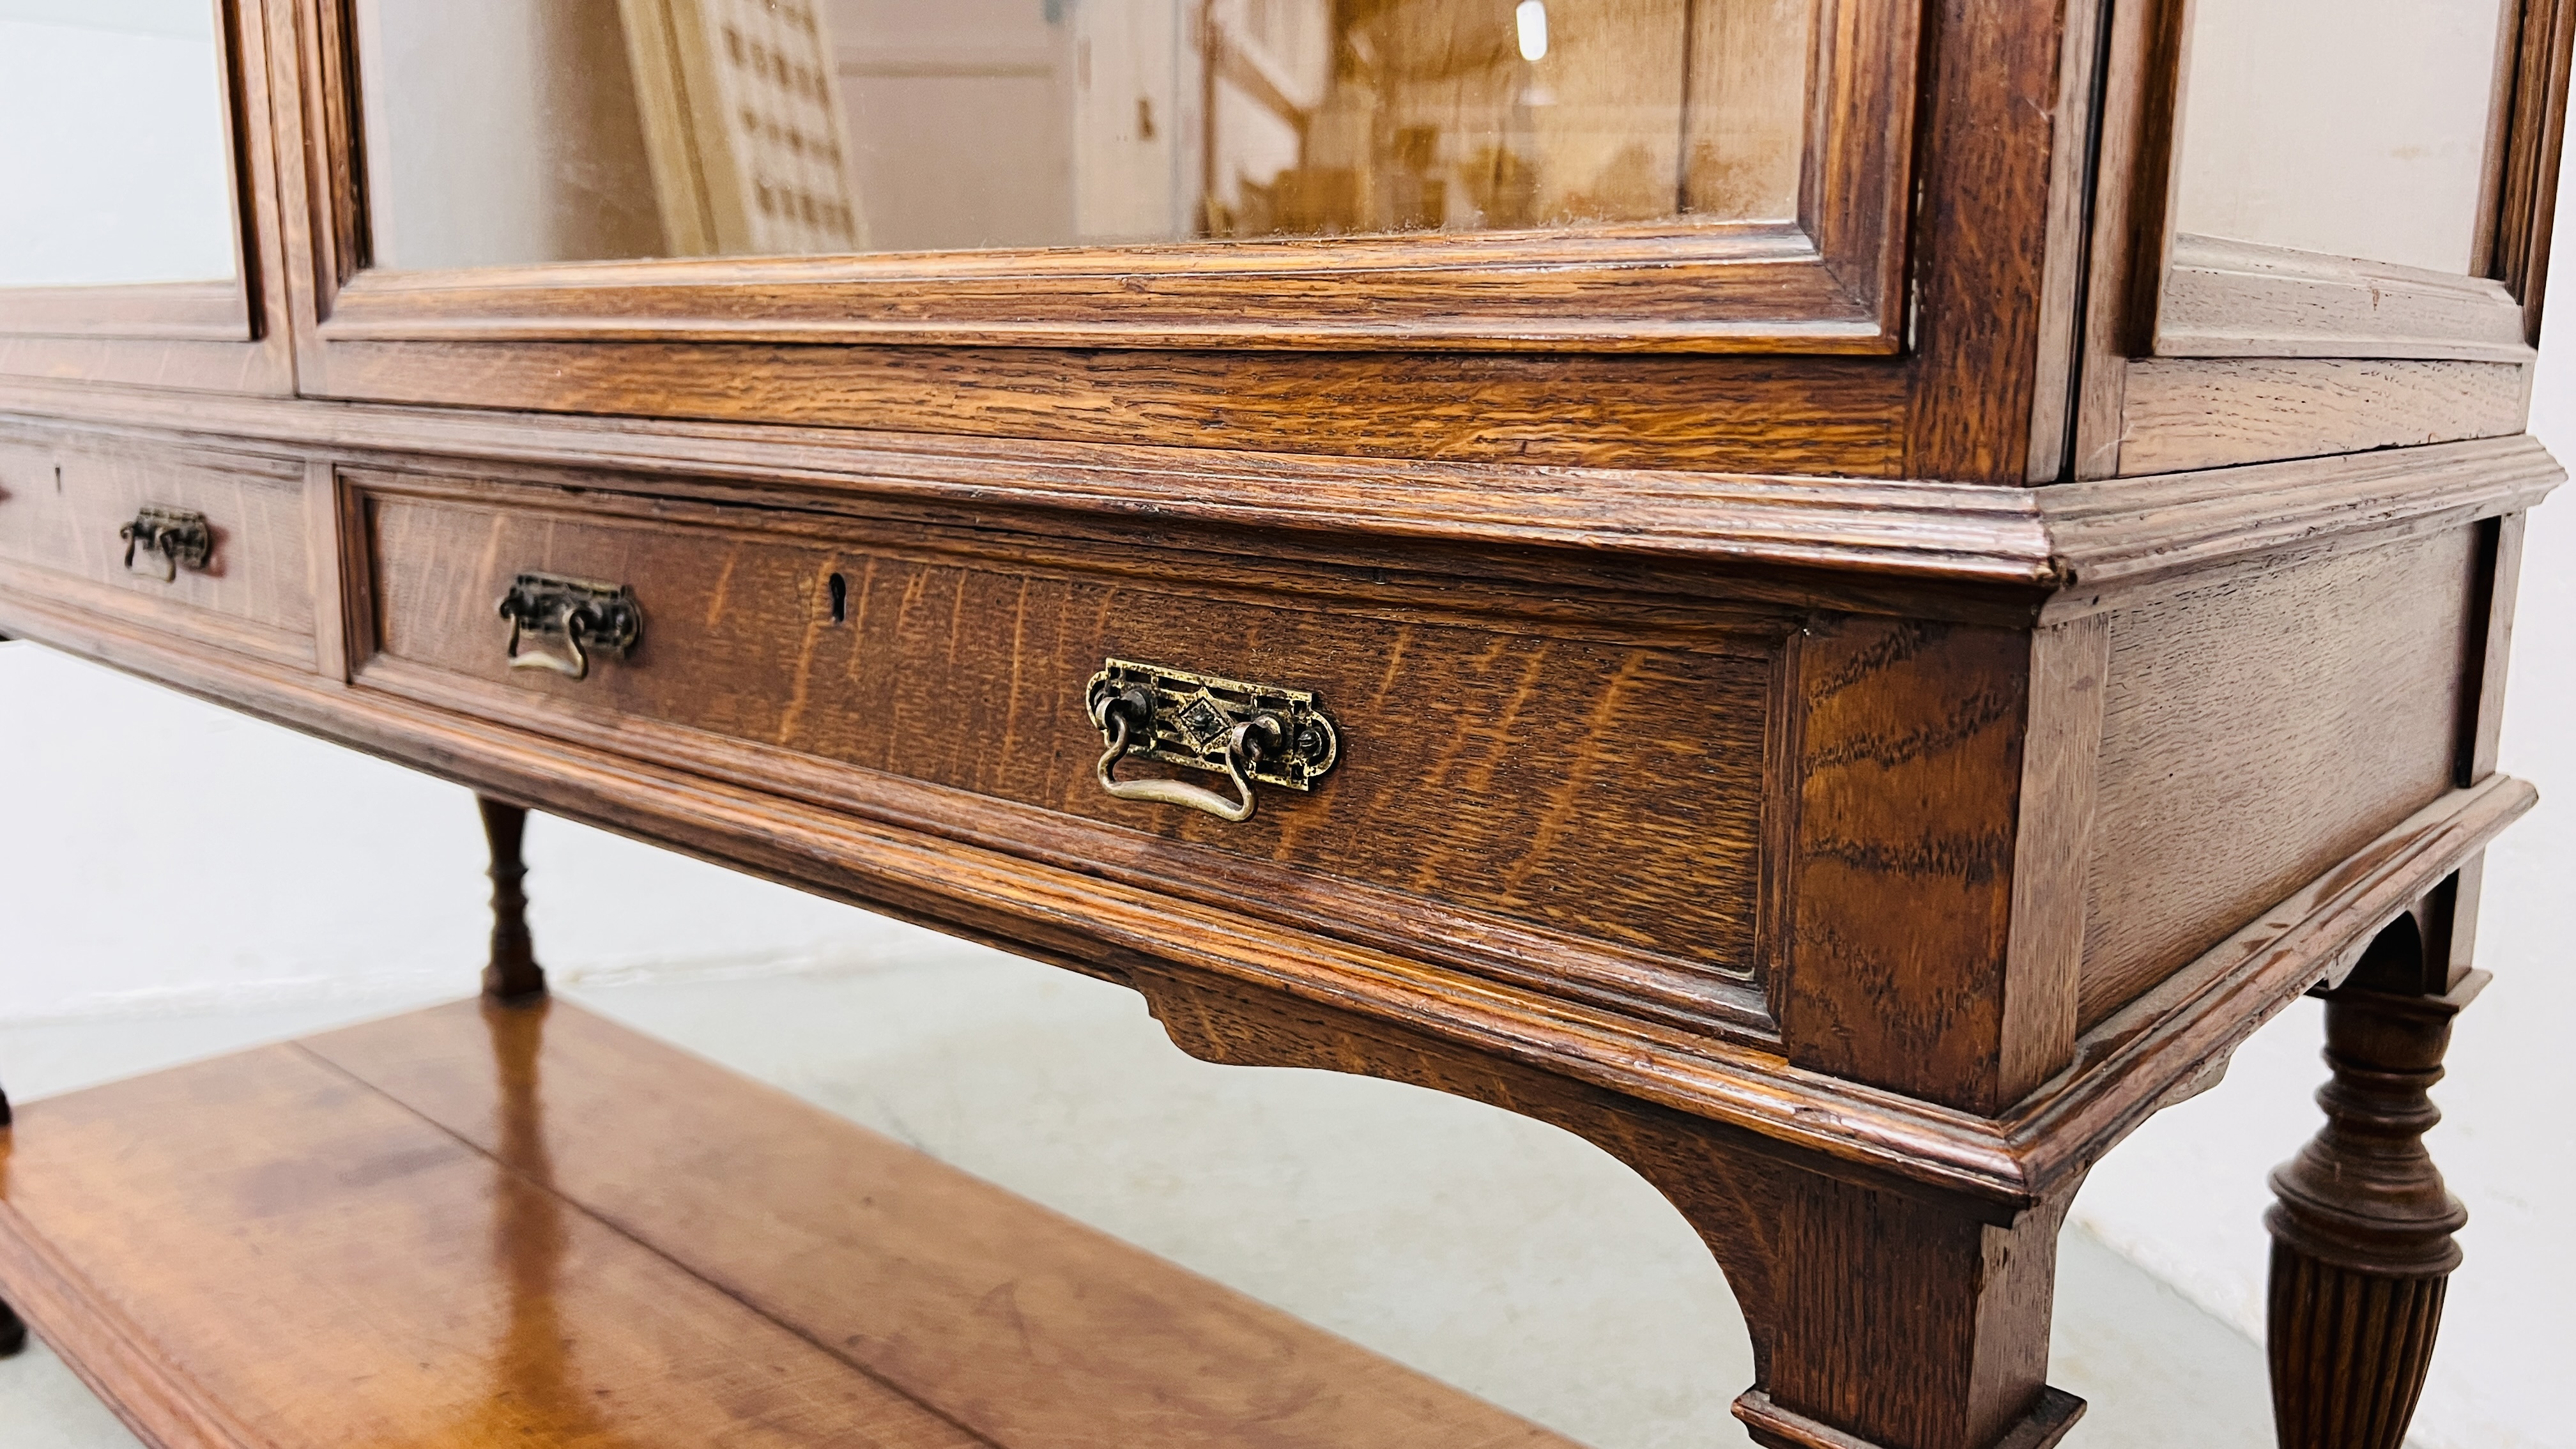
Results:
1495 1253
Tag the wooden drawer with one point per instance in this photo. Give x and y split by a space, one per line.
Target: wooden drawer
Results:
64 497
1570 798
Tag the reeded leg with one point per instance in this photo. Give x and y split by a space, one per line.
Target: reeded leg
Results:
2362 1248
513 972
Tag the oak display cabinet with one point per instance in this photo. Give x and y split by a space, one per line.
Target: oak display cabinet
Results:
1837 596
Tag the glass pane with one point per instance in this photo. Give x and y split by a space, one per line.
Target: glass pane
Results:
112 144
511 131
2355 127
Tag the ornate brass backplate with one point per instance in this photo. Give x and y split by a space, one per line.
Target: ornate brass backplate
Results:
584 618
1193 715
175 536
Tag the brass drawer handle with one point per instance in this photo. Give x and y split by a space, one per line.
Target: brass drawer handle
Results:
1247 732
586 618
175 536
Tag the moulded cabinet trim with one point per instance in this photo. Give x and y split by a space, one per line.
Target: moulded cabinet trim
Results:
1827 282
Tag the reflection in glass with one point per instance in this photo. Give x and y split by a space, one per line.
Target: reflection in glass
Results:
2353 127
112 142
515 131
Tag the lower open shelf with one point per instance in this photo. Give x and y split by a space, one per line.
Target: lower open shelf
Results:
489 1225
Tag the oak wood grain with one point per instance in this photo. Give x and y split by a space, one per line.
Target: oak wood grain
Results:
2126 1067
1740 673
2188 414
2074 157
2174 1041
1696 288
1571 783
2226 298
1988 139
68 522
2069 674
1948 551
1859 170
1022 1326
326 569
2534 114
1944 818
65 495
1910 745
2132 202
2493 592
1079 919
2122 539
1884 1319
2257 728
108 1351
1874 535
319 1265
1981 237
1788 415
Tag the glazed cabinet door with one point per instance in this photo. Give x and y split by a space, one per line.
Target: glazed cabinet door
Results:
137 173
2323 227
1606 231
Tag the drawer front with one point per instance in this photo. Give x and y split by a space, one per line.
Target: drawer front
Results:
1589 788
64 501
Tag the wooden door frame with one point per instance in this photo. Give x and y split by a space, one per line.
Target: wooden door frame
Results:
1830 281
2345 355
1950 239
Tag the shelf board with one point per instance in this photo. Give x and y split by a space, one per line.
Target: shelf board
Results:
482 1224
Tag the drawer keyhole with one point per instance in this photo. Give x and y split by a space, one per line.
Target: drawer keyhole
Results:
839 588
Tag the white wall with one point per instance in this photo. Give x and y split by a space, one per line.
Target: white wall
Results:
192 859
2185 1197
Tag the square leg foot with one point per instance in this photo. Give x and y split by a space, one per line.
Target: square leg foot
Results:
1779 1428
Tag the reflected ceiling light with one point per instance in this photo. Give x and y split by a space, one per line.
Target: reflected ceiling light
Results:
1531 17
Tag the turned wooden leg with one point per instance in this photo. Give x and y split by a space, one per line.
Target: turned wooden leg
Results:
2361 1236
512 973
